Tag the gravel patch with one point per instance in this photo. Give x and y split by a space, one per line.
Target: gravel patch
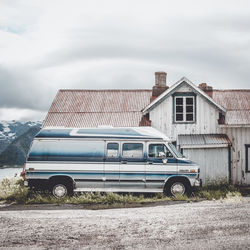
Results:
199 225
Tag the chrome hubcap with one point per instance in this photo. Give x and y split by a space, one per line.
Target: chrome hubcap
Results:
59 191
177 188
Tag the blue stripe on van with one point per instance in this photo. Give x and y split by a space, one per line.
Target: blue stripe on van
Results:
110 173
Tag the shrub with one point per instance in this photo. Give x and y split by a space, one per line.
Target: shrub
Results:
215 190
13 190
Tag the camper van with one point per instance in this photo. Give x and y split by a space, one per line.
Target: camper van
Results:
139 159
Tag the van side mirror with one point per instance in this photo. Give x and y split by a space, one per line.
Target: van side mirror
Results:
162 155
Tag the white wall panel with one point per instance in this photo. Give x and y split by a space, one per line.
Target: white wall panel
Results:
239 137
213 163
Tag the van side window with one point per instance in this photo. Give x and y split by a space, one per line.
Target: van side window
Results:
67 150
155 150
132 150
112 150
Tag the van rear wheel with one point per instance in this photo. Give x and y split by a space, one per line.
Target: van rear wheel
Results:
61 189
176 187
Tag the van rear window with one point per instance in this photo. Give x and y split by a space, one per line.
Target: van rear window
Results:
132 150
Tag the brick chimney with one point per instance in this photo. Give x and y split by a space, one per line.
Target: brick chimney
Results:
160 84
207 89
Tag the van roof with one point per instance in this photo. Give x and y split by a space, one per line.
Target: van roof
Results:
103 132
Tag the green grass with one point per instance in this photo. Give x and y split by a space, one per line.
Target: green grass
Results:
13 190
95 198
216 190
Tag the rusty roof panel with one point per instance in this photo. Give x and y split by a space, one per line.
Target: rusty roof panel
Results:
100 100
91 108
203 139
77 120
237 104
238 117
233 99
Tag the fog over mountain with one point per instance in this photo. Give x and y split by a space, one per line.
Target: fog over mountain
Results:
15 139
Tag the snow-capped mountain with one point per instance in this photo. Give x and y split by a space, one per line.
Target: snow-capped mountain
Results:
11 130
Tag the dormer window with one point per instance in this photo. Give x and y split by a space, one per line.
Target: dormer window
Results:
184 108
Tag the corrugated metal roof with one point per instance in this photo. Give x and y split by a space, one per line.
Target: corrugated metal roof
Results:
100 100
237 104
203 140
91 108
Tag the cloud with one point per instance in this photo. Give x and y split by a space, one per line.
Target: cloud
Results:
21 88
9 114
49 45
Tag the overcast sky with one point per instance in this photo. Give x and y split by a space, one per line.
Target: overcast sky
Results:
46 45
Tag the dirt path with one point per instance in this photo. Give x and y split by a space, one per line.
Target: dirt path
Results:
203 225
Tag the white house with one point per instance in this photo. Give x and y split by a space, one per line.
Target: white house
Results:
211 127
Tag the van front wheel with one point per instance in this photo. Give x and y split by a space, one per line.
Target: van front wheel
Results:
176 187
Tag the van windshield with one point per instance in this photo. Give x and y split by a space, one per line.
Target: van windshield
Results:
178 154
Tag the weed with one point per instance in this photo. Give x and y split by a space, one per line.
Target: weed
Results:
180 197
233 197
215 190
13 190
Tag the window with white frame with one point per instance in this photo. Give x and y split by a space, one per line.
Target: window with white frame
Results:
184 109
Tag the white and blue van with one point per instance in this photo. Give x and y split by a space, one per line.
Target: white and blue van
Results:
109 159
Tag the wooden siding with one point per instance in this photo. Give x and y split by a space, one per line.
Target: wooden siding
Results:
213 163
239 137
206 118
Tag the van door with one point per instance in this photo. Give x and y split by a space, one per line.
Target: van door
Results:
132 166
161 164
112 166
87 165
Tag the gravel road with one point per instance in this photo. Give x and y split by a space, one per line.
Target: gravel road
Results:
199 225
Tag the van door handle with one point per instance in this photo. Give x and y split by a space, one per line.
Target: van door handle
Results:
123 162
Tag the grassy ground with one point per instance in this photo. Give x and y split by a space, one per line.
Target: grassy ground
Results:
13 191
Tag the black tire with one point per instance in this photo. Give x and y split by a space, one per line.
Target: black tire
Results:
61 189
177 187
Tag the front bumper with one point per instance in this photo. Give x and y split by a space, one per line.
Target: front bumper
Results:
198 183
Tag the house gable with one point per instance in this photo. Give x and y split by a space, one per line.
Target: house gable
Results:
198 113
183 85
